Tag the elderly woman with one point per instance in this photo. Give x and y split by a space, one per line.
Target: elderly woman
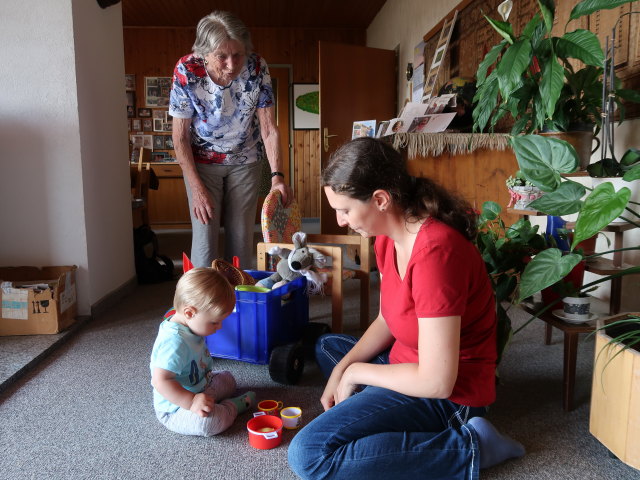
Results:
223 126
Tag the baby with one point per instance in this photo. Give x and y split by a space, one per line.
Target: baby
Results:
188 396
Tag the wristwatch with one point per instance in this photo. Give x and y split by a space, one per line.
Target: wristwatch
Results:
280 174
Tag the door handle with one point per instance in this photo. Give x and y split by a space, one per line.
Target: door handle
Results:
325 137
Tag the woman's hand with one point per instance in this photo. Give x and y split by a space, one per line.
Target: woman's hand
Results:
346 387
329 395
202 204
277 183
202 404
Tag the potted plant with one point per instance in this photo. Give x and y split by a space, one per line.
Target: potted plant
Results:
506 250
522 191
533 78
616 383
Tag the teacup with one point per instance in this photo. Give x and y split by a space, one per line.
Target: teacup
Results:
270 407
291 417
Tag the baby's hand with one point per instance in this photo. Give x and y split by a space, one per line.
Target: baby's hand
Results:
202 404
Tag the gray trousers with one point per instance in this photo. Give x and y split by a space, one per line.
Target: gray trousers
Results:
221 386
233 188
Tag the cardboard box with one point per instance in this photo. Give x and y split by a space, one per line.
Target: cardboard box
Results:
37 300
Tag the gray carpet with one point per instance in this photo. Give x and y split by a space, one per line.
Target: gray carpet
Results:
85 411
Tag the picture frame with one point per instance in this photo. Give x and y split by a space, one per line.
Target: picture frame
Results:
167 127
363 128
306 106
158 125
147 141
159 156
136 124
129 82
156 91
144 112
158 142
168 142
147 125
159 113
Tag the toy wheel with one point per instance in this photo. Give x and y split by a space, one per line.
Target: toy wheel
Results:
312 332
286 363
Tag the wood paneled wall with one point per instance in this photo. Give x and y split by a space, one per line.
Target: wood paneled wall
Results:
153 52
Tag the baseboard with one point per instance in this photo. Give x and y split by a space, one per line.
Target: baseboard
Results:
113 298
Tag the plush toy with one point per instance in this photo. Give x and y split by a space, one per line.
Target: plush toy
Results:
301 261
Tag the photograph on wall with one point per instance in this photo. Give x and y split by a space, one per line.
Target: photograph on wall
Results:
158 142
168 142
381 128
306 106
144 112
158 156
159 113
156 91
147 125
136 124
363 128
147 141
157 125
129 82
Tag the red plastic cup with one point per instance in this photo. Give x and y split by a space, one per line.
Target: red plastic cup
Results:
265 431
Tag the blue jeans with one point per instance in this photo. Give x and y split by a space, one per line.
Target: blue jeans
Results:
380 433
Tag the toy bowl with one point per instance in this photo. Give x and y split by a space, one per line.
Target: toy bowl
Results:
265 431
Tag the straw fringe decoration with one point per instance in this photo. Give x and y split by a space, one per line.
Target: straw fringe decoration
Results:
434 144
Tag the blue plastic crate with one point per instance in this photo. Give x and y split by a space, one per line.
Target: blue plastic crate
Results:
262 321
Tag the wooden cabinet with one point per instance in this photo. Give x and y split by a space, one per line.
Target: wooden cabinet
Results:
168 205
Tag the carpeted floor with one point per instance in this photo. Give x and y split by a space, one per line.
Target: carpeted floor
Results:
85 411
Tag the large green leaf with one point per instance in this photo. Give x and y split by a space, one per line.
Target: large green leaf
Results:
600 208
581 44
564 201
548 267
629 95
514 61
490 211
503 28
547 7
631 156
551 84
587 7
633 174
543 159
489 59
486 98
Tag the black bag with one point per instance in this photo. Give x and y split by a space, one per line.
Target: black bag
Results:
151 266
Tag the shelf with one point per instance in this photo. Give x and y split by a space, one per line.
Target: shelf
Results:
605 266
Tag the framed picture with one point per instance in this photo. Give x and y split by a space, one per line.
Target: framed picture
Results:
364 128
137 141
147 125
136 124
158 142
157 125
158 156
156 91
158 113
168 142
129 82
306 106
144 112
147 141
167 127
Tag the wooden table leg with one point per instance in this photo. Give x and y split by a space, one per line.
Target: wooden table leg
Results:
547 333
569 373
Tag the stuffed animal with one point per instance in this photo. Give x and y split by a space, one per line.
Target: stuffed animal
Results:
301 261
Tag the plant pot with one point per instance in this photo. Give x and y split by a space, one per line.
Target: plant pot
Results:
581 140
618 183
577 308
521 197
615 396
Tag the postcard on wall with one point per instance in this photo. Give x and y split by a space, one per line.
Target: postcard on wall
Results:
396 125
439 122
381 128
418 124
129 82
413 109
363 128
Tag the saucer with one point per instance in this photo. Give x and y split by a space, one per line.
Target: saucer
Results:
560 314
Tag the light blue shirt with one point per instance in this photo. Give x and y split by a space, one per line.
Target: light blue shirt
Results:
178 350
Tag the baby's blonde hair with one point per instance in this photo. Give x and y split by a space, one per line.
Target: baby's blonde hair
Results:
204 289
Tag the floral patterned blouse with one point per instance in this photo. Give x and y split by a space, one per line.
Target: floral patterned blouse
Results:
224 128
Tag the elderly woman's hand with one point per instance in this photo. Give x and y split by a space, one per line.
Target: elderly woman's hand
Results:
278 184
202 205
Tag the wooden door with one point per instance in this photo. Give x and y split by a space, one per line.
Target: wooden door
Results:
356 83
280 80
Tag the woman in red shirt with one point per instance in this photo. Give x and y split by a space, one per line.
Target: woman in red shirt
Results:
424 370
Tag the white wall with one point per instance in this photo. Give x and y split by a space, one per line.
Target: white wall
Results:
403 23
64 182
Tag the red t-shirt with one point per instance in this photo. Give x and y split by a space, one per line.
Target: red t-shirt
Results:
446 276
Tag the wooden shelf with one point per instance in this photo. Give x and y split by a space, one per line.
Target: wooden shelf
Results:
605 266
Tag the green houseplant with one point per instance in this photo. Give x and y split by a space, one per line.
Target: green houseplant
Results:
534 78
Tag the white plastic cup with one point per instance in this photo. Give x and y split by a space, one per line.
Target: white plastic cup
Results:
291 417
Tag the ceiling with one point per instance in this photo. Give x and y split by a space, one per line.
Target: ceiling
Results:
254 13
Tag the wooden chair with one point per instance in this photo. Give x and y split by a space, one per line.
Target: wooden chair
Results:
140 181
277 230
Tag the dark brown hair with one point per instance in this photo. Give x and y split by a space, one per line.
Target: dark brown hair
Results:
364 165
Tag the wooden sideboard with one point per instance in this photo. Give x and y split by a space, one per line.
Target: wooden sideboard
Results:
168 205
